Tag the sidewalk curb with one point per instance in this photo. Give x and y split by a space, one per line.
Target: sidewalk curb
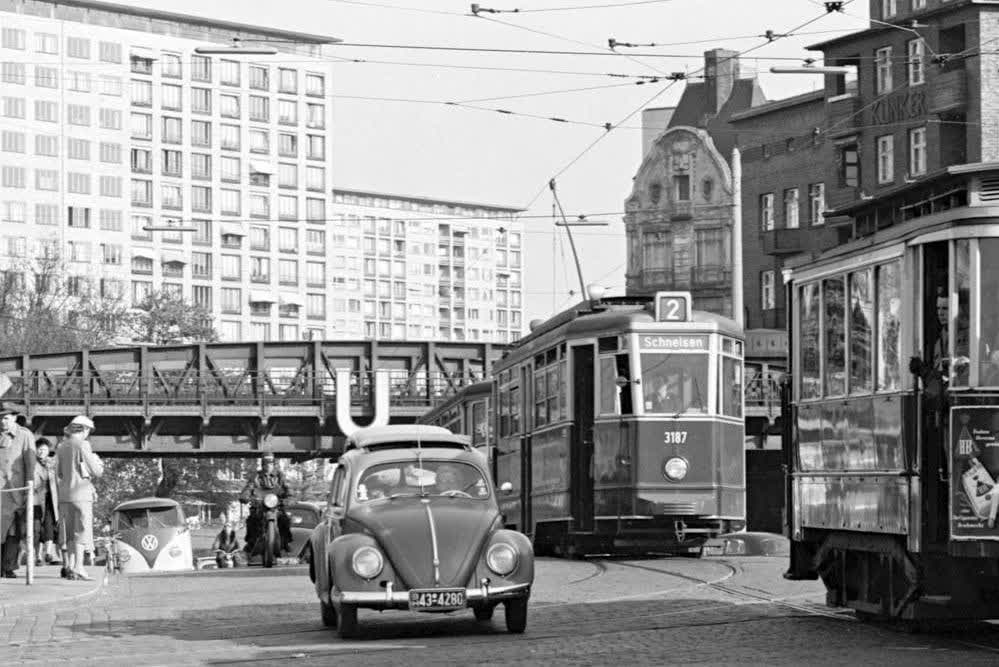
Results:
19 608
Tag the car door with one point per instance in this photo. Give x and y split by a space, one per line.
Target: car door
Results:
328 530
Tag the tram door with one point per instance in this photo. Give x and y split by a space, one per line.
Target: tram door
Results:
935 298
581 457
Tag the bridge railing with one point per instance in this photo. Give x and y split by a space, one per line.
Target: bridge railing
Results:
233 387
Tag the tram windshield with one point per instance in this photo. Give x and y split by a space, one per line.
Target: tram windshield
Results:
675 383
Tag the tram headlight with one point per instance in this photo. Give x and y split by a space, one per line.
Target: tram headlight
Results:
367 562
675 469
501 558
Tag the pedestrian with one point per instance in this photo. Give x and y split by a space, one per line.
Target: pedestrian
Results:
76 468
46 503
17 468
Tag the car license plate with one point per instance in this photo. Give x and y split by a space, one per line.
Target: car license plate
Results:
438 598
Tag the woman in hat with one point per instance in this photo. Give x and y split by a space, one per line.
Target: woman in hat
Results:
76 468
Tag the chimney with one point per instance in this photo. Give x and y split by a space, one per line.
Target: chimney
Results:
721 69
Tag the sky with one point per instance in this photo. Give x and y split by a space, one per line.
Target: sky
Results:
417 145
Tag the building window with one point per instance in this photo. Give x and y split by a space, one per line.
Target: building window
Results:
139 231
916 50
315 209
259 78
202 231
13 38
917 151
173 163
287 239
78 47
288 207
201 100
260 109
141 64
13 142
142 126
681 187
317 147
260 141
288 145
77 149
171 66
201 69
288 271
142 93
111 220
109 119
287 80
15 211
260 269
260 205
110 186
230 137
13 73
172 97
78 183
882 70
230 169
201 165
232 267
46 77
886 159
172 130
46 179
260 238
315 116
791 208
14 107
111 85
78 114
110 152
229 106
201 133
888 8
230 202
201 199
767 211
918 4
315 178
142 161
171 196
46 43
816 203
287 175
288 112
78 216
232 300
229 72
79 82
849 161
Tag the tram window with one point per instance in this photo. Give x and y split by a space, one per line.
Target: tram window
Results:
480 424
834 327
674 383
889 293
730 389
861 330
515 410
615 385
988 370
808 303
540 398
962 325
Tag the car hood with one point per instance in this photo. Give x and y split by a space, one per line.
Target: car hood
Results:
403 529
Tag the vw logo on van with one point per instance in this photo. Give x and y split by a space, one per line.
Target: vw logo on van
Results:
149 542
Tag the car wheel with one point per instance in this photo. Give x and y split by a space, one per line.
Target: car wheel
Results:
328 612
348 621
516 615
484 613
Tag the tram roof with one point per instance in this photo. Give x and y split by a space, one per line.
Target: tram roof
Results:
615 314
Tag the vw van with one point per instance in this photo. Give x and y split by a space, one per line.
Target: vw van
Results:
151 535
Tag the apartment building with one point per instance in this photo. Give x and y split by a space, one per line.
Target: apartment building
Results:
419 268
144 165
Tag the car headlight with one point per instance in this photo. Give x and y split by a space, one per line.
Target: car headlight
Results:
270 501
675 469
367 562
501 558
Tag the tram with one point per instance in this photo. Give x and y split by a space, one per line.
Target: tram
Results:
619 424
892 412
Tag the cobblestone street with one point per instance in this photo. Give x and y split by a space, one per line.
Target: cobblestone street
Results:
600 612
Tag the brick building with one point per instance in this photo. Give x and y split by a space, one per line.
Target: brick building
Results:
678 216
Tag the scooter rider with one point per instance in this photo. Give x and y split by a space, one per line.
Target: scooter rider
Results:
267 480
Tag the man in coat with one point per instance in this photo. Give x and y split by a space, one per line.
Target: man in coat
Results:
267 480
17 468
76 469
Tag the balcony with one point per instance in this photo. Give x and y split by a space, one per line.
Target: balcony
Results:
783 241
682 210
949 91
842 113
710 276
658 278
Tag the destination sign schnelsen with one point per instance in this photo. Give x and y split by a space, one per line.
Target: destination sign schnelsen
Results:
672 342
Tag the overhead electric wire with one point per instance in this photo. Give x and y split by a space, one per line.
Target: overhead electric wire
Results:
527 70
613 5
645 104
380 5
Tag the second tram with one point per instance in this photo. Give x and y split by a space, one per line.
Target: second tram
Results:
619 424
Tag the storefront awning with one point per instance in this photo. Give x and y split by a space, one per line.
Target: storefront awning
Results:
232 229
173 257
288 299
259 296
143 253
260 168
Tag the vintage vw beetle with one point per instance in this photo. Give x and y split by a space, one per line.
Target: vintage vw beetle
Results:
412 523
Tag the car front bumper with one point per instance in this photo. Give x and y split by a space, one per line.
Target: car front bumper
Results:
393 599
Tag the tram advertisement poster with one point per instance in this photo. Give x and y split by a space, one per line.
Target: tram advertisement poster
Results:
974 502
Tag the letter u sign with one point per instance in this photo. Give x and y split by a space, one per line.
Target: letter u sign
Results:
343 417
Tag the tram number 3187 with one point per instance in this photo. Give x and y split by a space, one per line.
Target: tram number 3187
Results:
674 437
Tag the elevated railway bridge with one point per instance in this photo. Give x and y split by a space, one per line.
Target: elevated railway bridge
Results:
234 399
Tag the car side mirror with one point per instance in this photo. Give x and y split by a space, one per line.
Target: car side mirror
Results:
506 487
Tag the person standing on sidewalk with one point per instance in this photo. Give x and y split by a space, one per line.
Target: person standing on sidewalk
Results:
76 468
46 502
17 468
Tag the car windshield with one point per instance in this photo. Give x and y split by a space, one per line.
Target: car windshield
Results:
435 478
149 517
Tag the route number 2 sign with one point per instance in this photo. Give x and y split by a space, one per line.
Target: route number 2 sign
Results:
673 306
